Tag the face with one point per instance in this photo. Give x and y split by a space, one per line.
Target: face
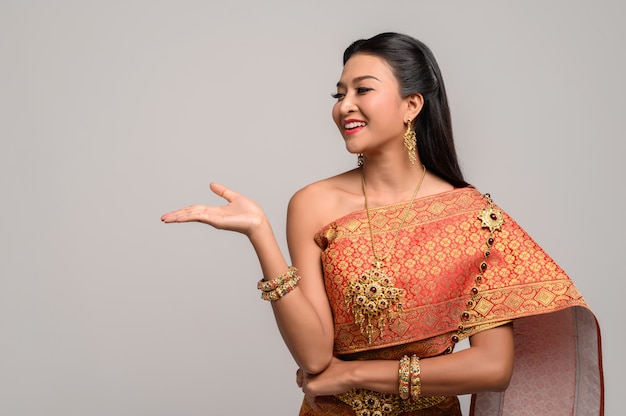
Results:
370 113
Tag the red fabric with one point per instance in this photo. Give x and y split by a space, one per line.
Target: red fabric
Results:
435 259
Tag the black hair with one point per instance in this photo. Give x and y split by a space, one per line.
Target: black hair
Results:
417 72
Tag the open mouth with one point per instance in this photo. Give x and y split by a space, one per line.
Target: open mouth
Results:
354 126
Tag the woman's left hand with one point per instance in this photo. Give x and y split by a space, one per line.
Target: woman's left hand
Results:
333 380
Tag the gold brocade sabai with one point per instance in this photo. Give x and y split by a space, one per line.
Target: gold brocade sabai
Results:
463 266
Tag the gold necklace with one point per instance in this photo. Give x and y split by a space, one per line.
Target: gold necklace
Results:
373 297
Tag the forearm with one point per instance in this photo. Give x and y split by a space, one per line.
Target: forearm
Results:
466 372
298 322
270 256
448 375
303 332
304 321
484 367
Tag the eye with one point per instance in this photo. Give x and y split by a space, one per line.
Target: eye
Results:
338 95
363 90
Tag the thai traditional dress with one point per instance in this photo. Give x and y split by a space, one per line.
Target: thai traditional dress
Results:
459 265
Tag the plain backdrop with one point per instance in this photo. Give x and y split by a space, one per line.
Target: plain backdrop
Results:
115 112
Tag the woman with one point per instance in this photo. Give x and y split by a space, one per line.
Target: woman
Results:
413 259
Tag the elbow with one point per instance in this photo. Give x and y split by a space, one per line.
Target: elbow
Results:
315 366
500 384
495 356
316 359
499 378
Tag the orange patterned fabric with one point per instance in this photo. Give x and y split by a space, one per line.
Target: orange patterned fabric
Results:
436 259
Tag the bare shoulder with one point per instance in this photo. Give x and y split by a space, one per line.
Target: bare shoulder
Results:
323 201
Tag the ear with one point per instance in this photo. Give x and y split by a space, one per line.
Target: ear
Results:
414 104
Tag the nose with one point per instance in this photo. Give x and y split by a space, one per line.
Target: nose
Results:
347 105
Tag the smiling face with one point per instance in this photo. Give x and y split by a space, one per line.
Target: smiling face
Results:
370 113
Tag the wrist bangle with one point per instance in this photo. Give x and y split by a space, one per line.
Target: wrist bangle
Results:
416 382
273 284
403 377
275 289
281 290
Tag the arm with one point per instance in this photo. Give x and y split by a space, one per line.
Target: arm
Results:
486 366
305 320
303 316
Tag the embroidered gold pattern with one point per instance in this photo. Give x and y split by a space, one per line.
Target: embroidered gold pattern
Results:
371 403
436 283
491 219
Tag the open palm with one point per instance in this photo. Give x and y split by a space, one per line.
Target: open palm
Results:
241 214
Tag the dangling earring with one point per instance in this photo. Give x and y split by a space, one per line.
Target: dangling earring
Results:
410 142
360 160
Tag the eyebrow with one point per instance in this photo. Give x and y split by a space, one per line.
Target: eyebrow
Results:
357 79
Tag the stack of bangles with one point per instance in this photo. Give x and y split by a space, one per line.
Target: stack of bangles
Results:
409 377
275 289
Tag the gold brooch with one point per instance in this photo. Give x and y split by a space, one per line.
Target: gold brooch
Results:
491 218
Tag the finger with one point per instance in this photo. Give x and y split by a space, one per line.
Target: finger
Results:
222 191
299 378
312 403
190 213
309 395
171 216
175 216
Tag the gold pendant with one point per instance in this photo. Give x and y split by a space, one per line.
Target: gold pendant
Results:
373 298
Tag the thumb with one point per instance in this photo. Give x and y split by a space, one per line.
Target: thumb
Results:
222 191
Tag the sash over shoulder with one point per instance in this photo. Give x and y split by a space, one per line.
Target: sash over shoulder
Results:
459 277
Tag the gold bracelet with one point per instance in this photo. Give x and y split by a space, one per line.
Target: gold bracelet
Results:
416 382
403 377
281 290
269 285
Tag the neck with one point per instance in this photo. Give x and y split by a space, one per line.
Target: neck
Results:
391 178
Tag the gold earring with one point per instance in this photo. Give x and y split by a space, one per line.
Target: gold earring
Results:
360 160
410 142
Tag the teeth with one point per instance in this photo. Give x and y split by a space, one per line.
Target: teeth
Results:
355 124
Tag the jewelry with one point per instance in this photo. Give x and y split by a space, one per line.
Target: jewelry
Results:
410 142
368 402
372 403
360 159
493 220
403 377
269 285
416 382
373 296
275 289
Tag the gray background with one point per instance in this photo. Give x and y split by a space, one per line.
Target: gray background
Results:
112 113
